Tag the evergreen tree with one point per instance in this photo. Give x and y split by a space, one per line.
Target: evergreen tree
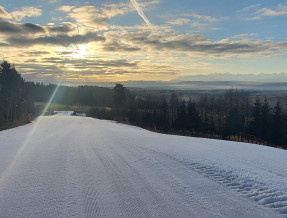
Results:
277 126
180 122
192 116
10 80
173 104
285 127
256 114
12 86
265 120
119 95
164 116
233 121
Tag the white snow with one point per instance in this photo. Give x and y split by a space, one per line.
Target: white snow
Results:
81 114
67 113
67 166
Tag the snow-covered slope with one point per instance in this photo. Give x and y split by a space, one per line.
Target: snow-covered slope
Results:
62 166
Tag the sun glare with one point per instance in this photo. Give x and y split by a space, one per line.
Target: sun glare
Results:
75 51
80 51
29 136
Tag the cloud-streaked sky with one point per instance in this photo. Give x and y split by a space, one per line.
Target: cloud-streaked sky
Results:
114 40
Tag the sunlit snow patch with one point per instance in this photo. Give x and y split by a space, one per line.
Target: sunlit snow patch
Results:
64 113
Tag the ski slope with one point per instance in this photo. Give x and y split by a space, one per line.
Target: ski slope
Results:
63 166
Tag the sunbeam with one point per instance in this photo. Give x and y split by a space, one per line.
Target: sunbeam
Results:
29 136
51 99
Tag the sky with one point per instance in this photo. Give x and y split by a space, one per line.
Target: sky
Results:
152 40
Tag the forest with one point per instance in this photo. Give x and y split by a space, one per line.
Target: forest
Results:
233 115
18 97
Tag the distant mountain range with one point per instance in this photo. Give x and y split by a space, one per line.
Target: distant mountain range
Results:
260 82
201 85
276 77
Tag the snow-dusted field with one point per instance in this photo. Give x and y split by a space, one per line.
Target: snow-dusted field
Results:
62 166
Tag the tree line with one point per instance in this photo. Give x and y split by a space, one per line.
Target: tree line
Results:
13 101
232 115
66 95
17 96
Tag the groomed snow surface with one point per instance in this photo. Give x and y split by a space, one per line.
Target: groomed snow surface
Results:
63 166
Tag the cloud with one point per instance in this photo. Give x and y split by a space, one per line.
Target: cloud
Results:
85 63
115 46
112 10
89 17
62 40
96 18
202 17
20 29
54 1
133 39
65 27
198 22
256 12
121 8
32 27
35 53
136 40
197 45
198 26
26 12
178 21
28 34
4 14
51 68
66 8
281 10
89 45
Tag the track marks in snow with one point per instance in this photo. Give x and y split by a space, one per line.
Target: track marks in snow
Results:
91 168
167 176
248 187
135 196
92 208
259 192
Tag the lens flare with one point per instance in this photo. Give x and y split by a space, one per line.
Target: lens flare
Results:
27 140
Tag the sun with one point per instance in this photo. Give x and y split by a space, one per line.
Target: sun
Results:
80 51
75 51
